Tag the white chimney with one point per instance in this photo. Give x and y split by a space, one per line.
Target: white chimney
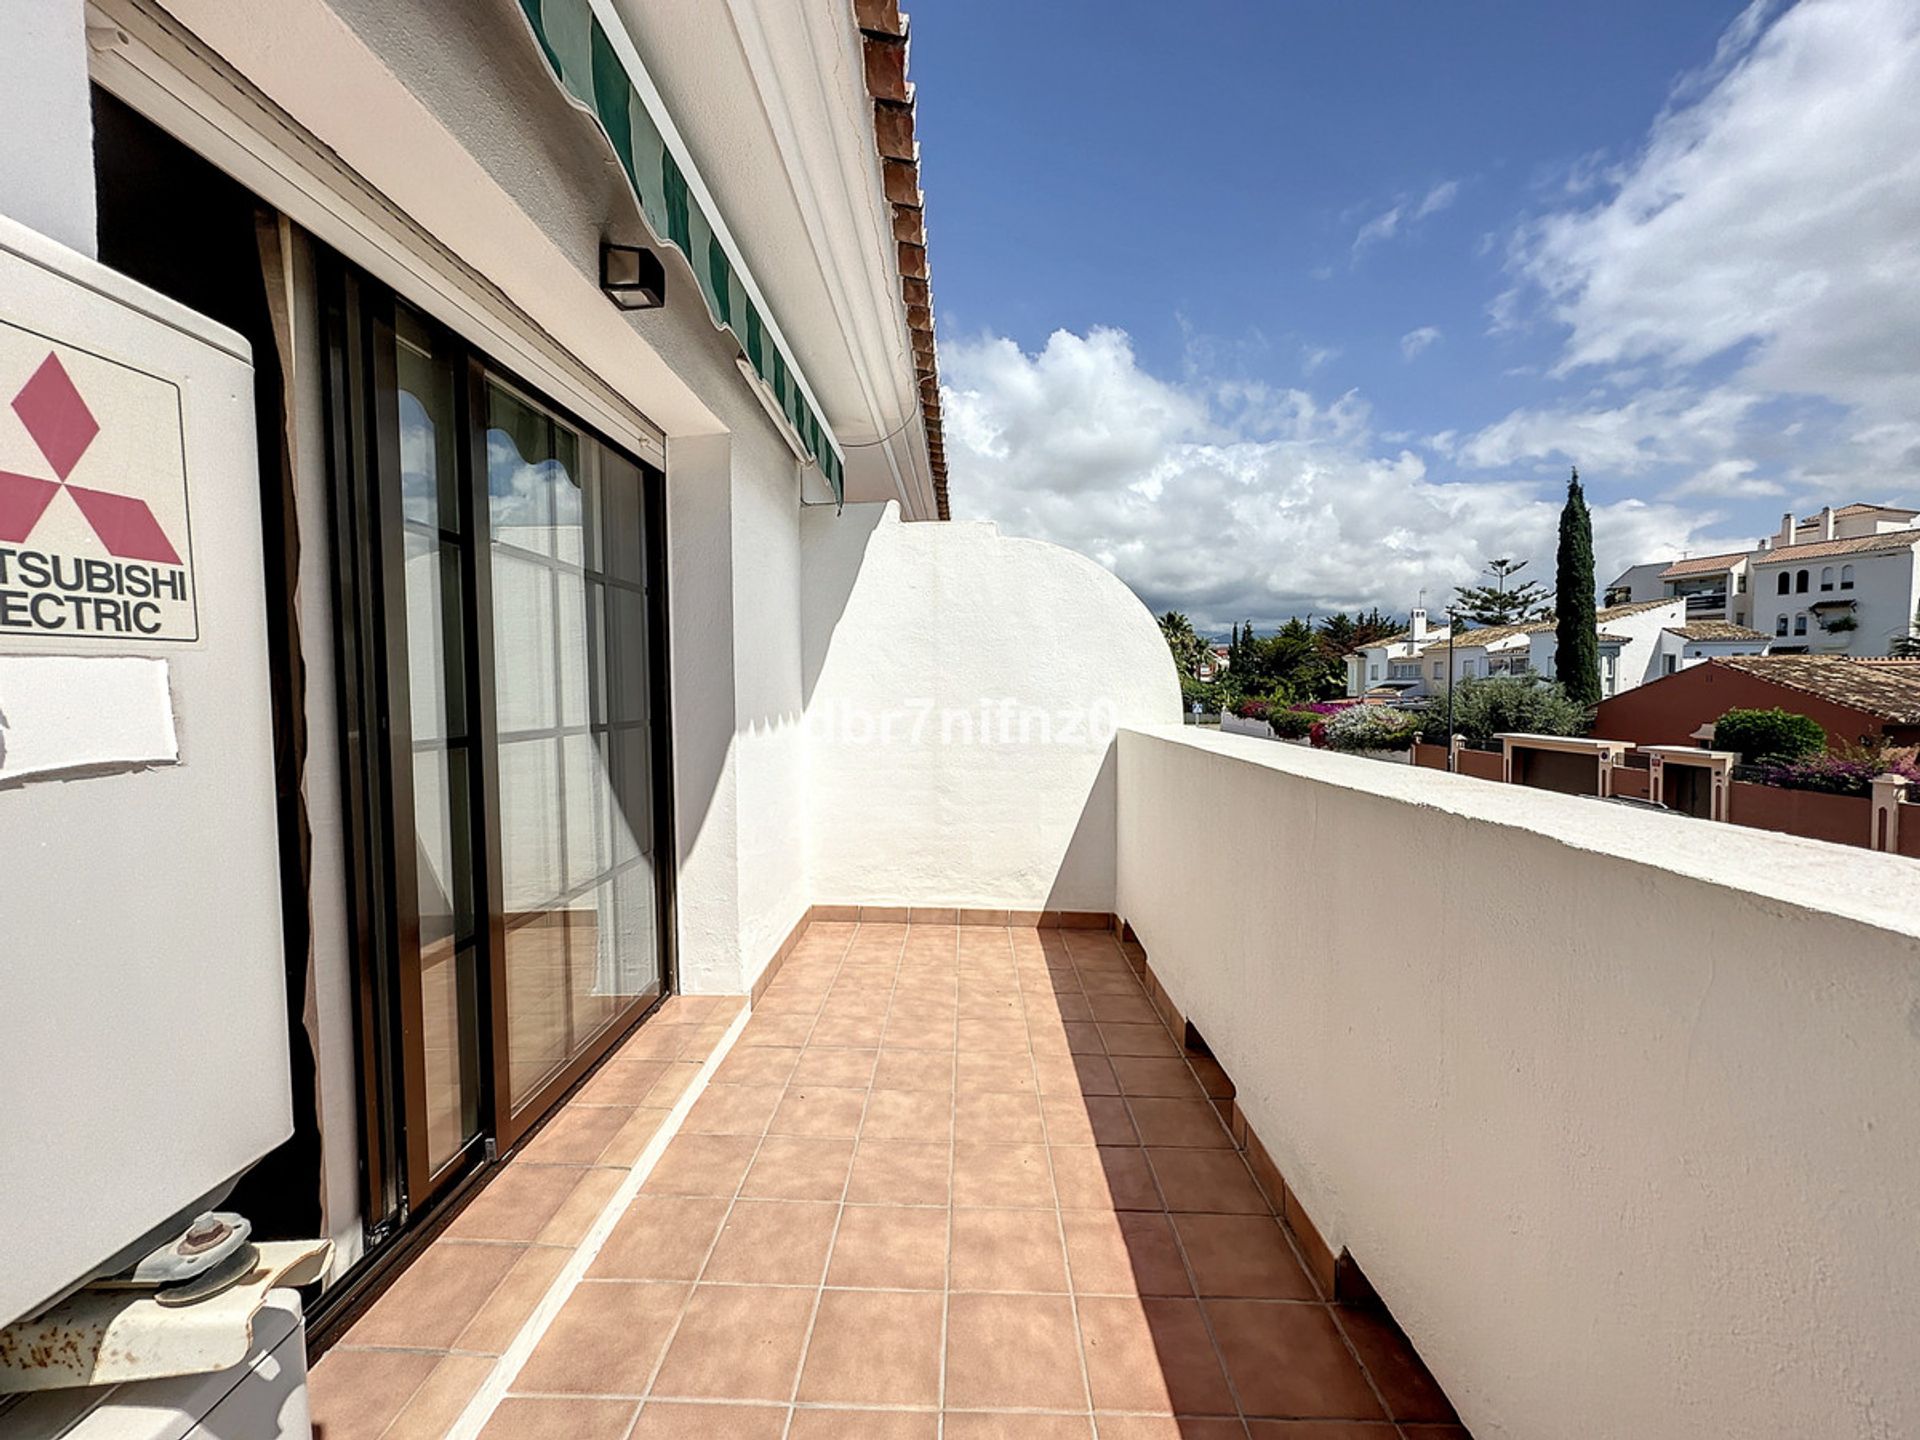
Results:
1419 626
1786 528
1826 522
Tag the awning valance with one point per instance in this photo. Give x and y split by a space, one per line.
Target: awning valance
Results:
593 59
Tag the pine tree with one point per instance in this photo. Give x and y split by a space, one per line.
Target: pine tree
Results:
1495 604
1577 654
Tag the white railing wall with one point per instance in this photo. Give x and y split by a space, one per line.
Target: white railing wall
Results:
1617 1114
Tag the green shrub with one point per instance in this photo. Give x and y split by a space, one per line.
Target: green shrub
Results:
1291 724
1503 705
1372 727
1758 735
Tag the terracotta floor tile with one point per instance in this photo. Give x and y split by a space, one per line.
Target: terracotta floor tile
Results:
1289 1362
576 1135
900 1172
914 1070
440 1293
786 1031
1333 1430
734 1109
1214 1181
1083 1038
995 1118
355 1394
522 1419
438 1403
666 1420
757 1065
495 1323
874 1348
1013 1352
799 1167
1179 1123
1156 1075
863 1030
774 1242
965 1425
655 1042
1088 1120
1214 1080
1008 1250
918 1030
1076 1075
1122 1008
1123 1253
631 1138
1170 1427
891 1247
702 1165
661 1237
829 1424
1153 1355
1112 1177
1242 1256
982 1070
1002 1176
622 1080
518 1203
605 1340
844 1068
1403 1380
819 1111
925 1115
737 1342
671 1085
1139 1039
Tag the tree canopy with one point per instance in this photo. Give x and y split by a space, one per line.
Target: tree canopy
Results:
1497 604
1577 653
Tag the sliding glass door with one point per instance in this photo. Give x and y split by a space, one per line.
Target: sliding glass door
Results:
498 576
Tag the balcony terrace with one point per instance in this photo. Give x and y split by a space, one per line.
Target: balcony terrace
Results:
954 1180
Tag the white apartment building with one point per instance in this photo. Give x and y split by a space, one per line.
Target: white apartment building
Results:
1636 640
1843 582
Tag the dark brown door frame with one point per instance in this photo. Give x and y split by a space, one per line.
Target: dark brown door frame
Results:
370 589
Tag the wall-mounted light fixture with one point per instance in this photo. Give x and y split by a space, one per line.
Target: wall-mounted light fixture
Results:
633 278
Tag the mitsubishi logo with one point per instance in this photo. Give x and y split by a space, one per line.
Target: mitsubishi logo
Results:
57 418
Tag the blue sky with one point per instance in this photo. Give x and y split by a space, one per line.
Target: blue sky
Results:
1272 307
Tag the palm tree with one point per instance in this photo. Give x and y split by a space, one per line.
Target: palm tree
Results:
1189 650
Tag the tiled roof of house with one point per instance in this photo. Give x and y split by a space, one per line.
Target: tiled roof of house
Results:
1498 634
1702 565
1399 637
1889 689
1820 549
1715 630
883 33
1859 509
1606 639
1637 607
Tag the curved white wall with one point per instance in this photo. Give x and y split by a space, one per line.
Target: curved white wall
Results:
962 691
1615 1109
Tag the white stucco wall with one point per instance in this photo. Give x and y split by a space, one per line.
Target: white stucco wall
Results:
1886 588
929 648
1643 1168
46 149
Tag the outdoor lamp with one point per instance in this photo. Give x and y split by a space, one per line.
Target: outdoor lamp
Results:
633 278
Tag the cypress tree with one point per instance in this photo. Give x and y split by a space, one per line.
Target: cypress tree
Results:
1577 654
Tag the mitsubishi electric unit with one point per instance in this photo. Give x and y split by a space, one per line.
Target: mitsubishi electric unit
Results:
143 1040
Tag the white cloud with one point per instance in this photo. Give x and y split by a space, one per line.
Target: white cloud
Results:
1769 221
1678 426
1415 341
1313 358
1727 480
1437 199
1238 502
1403 213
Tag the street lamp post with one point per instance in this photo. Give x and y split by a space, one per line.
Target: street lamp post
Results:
1452 630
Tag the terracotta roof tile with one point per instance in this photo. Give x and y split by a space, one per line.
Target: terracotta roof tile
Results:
1889 689
1702 565
1819 549
1715 630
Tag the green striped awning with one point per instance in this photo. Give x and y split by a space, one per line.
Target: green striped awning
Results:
590 69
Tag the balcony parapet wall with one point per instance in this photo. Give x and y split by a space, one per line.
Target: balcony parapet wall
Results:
1619 1123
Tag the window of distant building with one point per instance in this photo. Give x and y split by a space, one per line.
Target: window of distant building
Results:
1671 664
1800 582
1846 577
1373 672
1780 625
1740 585
1826 577
1438 669
1800 624
1786 583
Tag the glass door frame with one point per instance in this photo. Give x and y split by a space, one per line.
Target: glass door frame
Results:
399 1181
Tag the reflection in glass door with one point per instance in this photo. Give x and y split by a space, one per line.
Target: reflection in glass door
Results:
570 658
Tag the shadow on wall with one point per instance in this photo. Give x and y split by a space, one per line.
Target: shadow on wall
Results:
963 690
